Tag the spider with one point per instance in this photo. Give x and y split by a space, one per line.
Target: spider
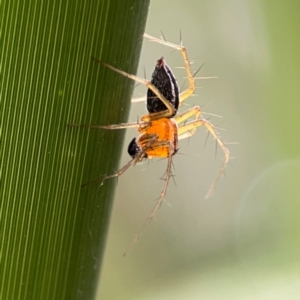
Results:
163 126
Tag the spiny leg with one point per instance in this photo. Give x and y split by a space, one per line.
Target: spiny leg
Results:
160 199
118 173
153 116
184 116
189 129
112 126
151 144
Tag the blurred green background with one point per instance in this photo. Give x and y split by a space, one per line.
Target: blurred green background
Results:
244 242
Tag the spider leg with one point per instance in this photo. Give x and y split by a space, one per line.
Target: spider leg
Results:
119 172
162 194
191 89
184 116
112 126
139 99
132 162
188 129
151 144
154 116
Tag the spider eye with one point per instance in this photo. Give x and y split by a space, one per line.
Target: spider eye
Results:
133 148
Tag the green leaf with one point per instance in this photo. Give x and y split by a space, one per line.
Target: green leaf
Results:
52 230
